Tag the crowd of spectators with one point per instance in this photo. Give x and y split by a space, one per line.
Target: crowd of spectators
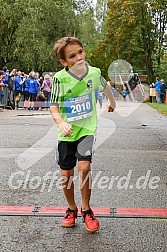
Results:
160 91
19 90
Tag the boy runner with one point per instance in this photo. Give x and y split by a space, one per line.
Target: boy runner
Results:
73 107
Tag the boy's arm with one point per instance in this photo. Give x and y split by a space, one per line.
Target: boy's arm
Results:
107 91
64 127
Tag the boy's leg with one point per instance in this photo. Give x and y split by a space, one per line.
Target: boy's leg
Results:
101 103
85 183
68 187
91 222
67 162
84 156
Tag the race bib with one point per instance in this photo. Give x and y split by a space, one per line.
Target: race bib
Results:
78 107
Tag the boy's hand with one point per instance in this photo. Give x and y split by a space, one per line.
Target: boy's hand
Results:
65 129
109 108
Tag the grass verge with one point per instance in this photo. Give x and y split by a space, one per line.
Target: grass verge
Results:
162 108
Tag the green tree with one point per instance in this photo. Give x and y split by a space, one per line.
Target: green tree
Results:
97 51
41 27
29 29
11 13
133 34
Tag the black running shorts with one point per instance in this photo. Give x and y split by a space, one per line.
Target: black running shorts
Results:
69 152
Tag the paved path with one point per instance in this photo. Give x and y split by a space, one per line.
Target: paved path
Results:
129 170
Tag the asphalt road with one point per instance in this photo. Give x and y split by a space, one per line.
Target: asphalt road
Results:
129 170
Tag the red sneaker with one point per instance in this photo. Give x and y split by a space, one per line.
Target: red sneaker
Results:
69 218
91 222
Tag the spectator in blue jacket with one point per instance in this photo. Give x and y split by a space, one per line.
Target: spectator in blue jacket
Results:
5 72
124 93
157 86
18 87
100 98
33 90
26 93
162 91
1 86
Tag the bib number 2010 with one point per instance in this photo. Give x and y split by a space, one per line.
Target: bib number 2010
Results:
80 107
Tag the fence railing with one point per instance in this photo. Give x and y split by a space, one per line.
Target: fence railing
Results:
7 99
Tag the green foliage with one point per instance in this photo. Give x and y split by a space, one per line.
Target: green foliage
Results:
132 30
135 32
29 29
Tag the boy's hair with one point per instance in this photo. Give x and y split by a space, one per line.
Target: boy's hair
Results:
60 45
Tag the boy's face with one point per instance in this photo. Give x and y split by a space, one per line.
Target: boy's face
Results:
74 55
